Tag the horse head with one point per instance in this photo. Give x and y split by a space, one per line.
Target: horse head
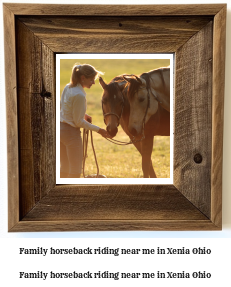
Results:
112 103
139 100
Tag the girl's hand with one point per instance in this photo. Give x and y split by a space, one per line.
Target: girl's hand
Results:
104 133
88 118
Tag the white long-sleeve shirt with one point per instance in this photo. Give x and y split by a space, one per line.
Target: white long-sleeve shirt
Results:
73 108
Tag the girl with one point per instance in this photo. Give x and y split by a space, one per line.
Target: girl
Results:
73 117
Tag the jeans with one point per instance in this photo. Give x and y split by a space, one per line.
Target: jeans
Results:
71 149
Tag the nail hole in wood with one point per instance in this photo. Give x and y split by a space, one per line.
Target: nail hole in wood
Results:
198 158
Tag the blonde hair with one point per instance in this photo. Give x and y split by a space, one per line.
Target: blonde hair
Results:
87 70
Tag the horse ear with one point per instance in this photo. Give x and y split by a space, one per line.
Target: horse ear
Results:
141 81
133 77
102 83
127 78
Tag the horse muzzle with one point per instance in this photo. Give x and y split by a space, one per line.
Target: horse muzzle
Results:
112 131
134 132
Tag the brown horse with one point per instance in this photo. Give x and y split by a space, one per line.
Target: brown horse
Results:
149 95
116 110
149 101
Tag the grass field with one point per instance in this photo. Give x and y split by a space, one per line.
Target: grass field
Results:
117 161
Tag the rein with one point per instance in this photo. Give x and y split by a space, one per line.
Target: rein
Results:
118 117
85 143
148 106
146 111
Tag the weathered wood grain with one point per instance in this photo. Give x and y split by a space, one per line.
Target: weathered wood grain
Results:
114 208
11 113
199 84
219 36
24 74
113 225
114 10
193 119
48 142
36 104
114 203
114 34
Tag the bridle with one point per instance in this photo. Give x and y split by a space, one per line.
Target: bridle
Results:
144 119
146 111
119 117
148 88
114 114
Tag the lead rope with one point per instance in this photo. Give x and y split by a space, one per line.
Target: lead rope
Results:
119 142
85 144
125 143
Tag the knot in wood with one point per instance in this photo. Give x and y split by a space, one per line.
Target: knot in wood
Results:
45 94
198 158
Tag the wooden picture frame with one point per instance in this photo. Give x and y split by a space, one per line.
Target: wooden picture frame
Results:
34 33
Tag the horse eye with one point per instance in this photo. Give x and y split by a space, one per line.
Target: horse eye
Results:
141 100
104 101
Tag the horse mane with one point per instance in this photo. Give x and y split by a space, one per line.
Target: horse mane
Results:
118 79
134 84
113 87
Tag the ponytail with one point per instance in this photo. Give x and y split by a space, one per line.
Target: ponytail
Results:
87 70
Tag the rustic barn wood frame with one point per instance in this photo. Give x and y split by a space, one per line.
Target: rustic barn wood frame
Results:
34 33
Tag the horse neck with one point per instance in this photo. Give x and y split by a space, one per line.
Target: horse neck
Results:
161 120
162 73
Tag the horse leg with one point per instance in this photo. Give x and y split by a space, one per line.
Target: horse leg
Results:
152 173
147 145
151 169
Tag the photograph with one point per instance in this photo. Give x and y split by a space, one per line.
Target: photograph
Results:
114 115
